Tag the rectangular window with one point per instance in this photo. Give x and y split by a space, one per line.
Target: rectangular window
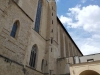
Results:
52 14
51 40
52 7
46 63
52 30
90 60
51 72
52 21
42 64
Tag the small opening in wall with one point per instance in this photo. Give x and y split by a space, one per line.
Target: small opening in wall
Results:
52 30
90 60
52 14
50 72
46 63
52 7
52 21
51 49
51 40
42 64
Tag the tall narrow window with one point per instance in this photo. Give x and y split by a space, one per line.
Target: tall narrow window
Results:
52 7
51 49
52 30
14 29
42 64
38 16
33 56
52 21
51 72
52 14
51 40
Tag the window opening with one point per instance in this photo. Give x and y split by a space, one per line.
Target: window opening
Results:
38 16
14 29
33 56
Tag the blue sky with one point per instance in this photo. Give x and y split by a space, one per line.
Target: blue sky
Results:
81 18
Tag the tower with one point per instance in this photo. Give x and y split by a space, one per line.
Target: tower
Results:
52 44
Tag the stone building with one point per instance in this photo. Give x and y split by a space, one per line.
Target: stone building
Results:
85 65
33 41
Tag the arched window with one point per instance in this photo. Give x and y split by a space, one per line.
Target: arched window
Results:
14 29
38 16
33 56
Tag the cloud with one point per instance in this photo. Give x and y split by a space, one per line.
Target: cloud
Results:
65 19
90 45
96 36
87 19
89 49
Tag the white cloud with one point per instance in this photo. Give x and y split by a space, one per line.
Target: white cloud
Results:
96 36
89 45
65 20
86 18
89 49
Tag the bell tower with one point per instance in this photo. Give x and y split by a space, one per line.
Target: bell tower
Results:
52 45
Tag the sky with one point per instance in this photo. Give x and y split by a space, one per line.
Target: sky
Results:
81 18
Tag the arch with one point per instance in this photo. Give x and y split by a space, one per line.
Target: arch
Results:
86 68
15 28
33 56
89 72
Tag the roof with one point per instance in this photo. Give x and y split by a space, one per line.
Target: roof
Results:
68 35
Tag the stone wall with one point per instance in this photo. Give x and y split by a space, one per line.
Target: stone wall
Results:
10 67
13 48
19 48
66 44
87 68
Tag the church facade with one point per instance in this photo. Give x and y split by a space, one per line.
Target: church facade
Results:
33 41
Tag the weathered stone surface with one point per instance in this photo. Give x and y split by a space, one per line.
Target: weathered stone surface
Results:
14 46
10 68
52 41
